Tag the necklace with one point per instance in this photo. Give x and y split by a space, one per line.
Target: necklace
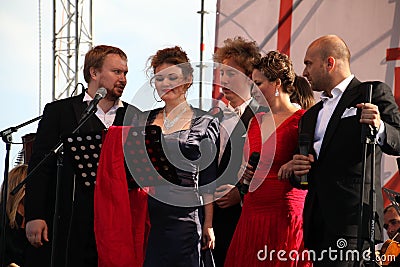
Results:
168 124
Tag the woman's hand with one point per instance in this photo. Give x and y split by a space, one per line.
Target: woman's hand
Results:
286 171
208 238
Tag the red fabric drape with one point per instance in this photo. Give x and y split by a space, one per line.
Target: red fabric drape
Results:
121 220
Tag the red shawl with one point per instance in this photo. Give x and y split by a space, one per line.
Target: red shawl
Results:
121 220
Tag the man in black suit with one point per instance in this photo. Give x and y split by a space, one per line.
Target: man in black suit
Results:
334 165
236 57
105 66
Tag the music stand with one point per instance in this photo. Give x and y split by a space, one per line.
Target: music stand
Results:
145 159
394 198
84 150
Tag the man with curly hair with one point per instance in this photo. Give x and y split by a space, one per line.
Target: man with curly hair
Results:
236 58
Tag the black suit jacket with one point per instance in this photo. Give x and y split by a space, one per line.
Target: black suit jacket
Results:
75 224
225 220
335 177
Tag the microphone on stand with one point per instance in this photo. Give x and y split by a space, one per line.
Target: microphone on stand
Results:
100 94
304 146
253 161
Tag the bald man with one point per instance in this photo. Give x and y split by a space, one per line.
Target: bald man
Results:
334 165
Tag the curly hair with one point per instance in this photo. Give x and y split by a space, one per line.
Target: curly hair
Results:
171 55
243 52
275 65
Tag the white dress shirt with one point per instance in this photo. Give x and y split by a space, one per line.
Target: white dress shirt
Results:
106 118
325 114
229 121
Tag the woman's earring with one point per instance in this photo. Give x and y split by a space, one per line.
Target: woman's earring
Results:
154 95
276 92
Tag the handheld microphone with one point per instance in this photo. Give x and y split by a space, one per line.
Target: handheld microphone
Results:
100 94
253 161
304 145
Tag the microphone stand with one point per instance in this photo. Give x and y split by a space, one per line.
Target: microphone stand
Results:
368 138
371 141
6 135
57 150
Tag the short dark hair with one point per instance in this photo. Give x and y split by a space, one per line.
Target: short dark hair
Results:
391 206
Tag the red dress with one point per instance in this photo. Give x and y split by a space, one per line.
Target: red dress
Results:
271 218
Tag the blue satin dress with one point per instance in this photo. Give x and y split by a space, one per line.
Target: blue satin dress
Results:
176 210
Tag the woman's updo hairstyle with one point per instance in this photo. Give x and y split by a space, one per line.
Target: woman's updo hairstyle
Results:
276 65
171 55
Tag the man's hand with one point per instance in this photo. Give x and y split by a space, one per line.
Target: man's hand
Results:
35 230
370 114
226 196
302 164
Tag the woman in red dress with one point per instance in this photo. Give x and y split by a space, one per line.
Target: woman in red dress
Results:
270 228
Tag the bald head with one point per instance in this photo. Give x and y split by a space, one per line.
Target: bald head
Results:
332 45
327 63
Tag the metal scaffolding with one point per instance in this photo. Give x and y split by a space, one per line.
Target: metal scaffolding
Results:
72 38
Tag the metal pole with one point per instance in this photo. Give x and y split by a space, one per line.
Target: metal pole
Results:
4 194
91 24
54 52
201 12
77 42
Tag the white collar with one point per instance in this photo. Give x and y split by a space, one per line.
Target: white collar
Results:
241 107
338 89
117 104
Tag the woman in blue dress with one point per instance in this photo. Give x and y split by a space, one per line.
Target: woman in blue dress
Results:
181 214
